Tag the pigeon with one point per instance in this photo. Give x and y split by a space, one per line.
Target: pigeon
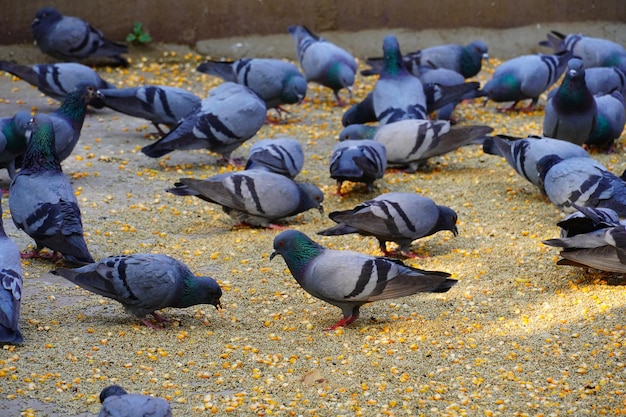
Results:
116 402
323 62
358 161
69 118
604 80
11 289
610 120
592 238
571 112
581 182
394 217
57 80
465 60
594 52
281 155
70 38
276 81
13 141
144 283
42 201
348 279
158 104
229 116
524 77
412 142
523 154
253 197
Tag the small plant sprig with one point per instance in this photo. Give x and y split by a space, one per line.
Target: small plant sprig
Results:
139 35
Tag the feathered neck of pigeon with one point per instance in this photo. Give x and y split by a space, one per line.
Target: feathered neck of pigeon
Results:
41 152
198 290
74 107
15 134
300 251
471 60
392 58
573 96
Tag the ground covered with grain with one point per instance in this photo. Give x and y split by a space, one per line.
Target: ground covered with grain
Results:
518 335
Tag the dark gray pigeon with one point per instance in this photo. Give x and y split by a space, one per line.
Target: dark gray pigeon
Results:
57 80
349 279
411 143
276 81
13 141
144 283
462 59
10 290
69 118
158 104
253 197
394 217
70 38
523 154
595 52
358 161
323 62
280 155
571 112
604 80
42 201
610 120
592 238
230 115
116 402
524 77
581 182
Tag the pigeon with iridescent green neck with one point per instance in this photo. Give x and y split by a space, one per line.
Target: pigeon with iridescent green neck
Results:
610 120
348 279
13 142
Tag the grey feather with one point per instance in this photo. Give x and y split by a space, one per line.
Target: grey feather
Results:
281 155
349 279
116 402
10 289
358 161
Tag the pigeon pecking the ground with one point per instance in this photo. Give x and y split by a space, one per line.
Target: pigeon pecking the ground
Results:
10 290
116 402
13 141
323 62
348 279
394 217
42 201
230 115
280 155
159 104
70 38
145 283
253 197
57 80
358 161
276 81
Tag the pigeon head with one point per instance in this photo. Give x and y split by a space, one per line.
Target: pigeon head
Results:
74 106
392 56
200 290
310 197
472 56
447 220
294 89
16 132
297 249
357 131
339 76
44 18
111 391
41 151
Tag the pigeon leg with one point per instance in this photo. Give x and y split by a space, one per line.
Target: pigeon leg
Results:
159 318
508 109
36 254
158 128
149 324
343 322
531 107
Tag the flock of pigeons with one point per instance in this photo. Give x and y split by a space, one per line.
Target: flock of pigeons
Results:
391 126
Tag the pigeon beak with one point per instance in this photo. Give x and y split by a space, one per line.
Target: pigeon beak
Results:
485 56
218 305
455 231
273 254
321 209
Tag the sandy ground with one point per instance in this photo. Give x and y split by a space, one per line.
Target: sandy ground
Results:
517 336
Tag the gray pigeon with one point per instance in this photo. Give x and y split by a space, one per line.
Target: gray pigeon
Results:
253 197
116 402
523 154
524 77
604 80
274 80
610 120
412 142
571 112
358 161
281 155
10 290
229 116
42 201
144 283
70 38
394 217
595 52
323 62
158 104
592 238
13 139
69 118
462 59
57 80
581 182
349 279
